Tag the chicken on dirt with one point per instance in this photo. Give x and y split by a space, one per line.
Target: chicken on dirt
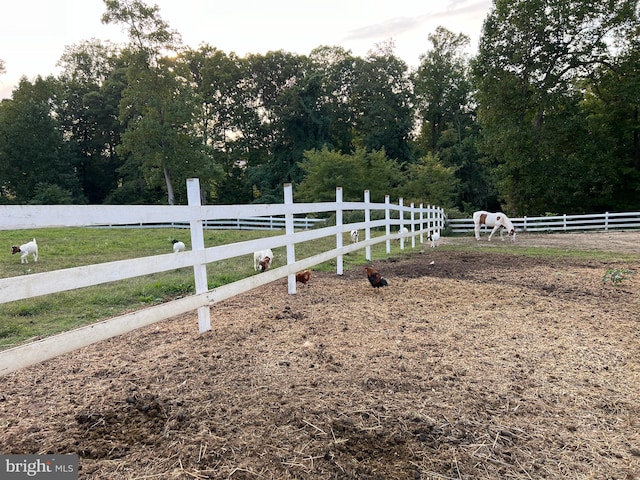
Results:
303 277
375 278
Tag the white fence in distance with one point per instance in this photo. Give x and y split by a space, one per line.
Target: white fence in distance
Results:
419 220
561 223
244 223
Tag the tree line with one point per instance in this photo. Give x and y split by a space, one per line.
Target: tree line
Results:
543 119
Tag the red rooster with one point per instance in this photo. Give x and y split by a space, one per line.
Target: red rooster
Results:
303 277
375 278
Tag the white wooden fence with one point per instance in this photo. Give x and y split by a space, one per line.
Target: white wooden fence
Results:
418 220
562 223
244 223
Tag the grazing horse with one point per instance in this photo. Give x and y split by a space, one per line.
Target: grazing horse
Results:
496 220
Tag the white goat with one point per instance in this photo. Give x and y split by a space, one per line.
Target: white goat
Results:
435 239
178 246
29 248
262 260
354 236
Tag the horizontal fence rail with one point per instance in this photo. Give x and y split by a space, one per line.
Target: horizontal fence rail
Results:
419 221
246 223
561 223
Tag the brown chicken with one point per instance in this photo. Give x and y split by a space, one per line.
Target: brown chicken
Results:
303 277
375 278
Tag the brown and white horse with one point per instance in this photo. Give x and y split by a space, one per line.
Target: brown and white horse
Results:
496 220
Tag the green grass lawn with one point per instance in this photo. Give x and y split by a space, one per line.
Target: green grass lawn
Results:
61 248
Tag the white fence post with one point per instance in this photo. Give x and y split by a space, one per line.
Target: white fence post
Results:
606 221
387 218
290 230
197 243
421 223
339 263
401 226
367 219
413 226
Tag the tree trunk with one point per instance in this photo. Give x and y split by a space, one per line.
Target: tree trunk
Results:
167 178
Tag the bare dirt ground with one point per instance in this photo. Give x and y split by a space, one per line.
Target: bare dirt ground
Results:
470 364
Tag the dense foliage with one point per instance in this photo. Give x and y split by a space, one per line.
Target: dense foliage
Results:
543 119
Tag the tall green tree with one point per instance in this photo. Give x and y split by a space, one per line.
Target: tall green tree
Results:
277 81
92 81
533 56
221 113
336 68
443 88
159 140
445 109
306 122
33 155
382 103
148 32
428 180
611 107
326 169
157 104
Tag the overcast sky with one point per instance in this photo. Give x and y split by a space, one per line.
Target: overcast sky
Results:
33 34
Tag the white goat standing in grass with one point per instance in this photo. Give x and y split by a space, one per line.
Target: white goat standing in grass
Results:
262 260
178 246
402 231
435 239
29 248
